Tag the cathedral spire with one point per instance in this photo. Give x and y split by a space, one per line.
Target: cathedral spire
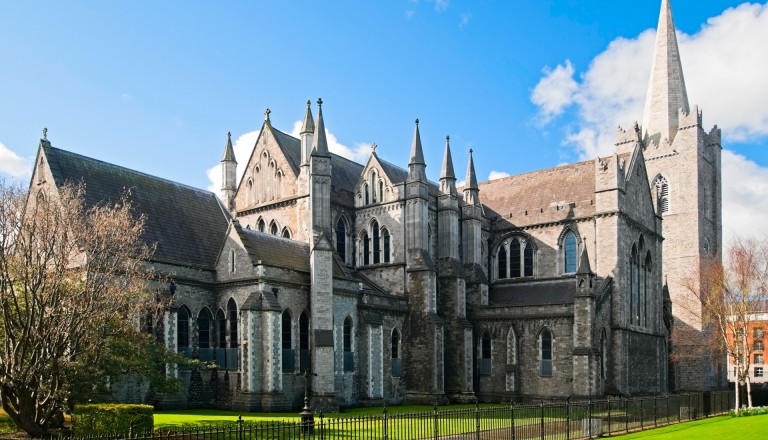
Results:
416 166
447 176
584 267
666 89
471 191
320 143
228 173
229 153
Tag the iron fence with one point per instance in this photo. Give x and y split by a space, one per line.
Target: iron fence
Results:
583 419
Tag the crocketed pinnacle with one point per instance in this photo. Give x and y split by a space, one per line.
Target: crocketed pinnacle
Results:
309 123
447 171
319 141
584 267
471 177
417 154
229 153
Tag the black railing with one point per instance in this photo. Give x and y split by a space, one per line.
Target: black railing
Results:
583 419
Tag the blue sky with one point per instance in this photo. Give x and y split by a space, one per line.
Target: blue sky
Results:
155 86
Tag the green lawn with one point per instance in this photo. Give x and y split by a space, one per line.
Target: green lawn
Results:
716 427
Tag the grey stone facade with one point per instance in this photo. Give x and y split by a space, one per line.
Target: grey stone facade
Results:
390 288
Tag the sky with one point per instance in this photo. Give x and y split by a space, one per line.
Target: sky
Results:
156 86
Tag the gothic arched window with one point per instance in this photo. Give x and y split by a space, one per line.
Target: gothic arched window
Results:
273 228
366 249
287 333
395 341
386 243
221 329
261 225
182 329
570 248
528 259
376 242
501 259
304 342
545 353
341 239
662 195
286 233
204 319
632 283
366 194
232 314
514 258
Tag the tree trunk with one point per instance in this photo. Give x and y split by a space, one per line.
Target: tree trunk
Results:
749 390
24 420
736 405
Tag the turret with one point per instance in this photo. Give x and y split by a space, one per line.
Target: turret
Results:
228 174
471 192
416 166
307 134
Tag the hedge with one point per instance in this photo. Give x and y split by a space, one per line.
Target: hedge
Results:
111 418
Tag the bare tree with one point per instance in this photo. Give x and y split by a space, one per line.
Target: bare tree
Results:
73 279
726 302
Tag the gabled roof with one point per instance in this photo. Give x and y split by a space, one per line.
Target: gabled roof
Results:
188 224
540 189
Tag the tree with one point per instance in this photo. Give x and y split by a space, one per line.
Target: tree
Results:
727 300
73 279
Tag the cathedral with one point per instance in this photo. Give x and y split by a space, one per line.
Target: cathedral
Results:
370 284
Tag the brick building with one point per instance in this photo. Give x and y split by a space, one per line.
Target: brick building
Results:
390 287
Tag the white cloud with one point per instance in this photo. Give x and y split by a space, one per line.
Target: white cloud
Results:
493 175
724 65
441 5
555 91
745 185
12 164
244 144
464 20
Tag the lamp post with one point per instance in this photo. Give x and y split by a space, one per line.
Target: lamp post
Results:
307 416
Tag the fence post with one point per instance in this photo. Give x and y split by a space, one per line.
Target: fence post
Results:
437 432
642 414
541 414
568 418
477 419
322 426
626 414
240 427
609 416
655 412
384 437
512 410
589 415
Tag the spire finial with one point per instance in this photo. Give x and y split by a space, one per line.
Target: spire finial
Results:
373 147
45 133
266 114
320 102
309 102
229 134
417 121
447 139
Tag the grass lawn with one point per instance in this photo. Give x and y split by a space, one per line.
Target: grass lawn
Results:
705 429
6 424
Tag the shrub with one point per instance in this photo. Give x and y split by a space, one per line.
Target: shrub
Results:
746 412
108 418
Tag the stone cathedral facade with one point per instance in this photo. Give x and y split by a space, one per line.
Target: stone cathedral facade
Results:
387 287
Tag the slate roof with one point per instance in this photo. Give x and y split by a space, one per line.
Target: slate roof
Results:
274 250
540 189
533 294
188 224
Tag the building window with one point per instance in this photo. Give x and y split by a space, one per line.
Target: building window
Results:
232 313
603 354
646 275
385 239
182 329
528 259
148 324
304 342
514 258
286 233
341 239
758 359
288 356
273 228
757 333
502 261
545 353
373 185
204 319
366 257
376 243
662 195
349 356
232 261
758 371
221 320
381 191
261 225
485 354
569 252
366 194
632 283
395 353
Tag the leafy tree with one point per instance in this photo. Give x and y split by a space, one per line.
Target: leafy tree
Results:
727 301
73 279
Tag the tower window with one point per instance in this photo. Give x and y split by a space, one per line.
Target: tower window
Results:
485 354
662 195
349 356
341 239
287 333
396 367
569 252
545 353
